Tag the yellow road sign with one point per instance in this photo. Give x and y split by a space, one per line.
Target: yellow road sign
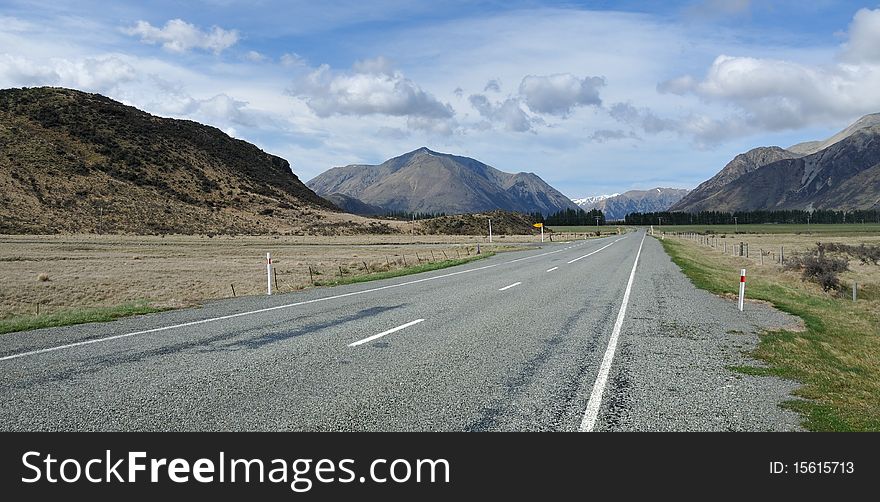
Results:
538 225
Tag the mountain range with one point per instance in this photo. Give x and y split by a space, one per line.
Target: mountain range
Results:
426 181
78 162
617 206
841 172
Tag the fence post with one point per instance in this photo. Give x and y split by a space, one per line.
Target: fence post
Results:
855 290
268 273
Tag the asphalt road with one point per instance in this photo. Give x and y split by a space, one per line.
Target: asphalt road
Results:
513 342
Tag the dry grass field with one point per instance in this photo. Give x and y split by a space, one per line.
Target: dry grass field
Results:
58 273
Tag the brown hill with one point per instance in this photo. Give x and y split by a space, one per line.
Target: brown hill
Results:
75 162
425 181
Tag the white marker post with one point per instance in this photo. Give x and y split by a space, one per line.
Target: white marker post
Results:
490 229
268 274
742 288
542 233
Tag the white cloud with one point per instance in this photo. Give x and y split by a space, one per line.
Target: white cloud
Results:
255 57
99 74
371 88
292 59
179 36
643 118
508 112
768 94
557 94
864 37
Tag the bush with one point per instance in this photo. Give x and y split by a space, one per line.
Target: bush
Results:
818 268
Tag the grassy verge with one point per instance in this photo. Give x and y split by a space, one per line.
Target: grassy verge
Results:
415 269
837 357
74 316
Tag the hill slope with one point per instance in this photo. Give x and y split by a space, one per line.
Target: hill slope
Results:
839 172
703 197
616 207
846 176
78 162
810 147
430 182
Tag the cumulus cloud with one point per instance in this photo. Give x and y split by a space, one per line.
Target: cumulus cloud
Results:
92 74
774 94
558 94
372 87
864 37
508 112
493 85
179 36
292 59
643 118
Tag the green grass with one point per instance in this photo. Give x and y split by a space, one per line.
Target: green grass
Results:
74 316
415 269
840 229
837 357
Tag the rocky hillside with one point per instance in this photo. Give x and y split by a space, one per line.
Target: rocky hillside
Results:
844 176
617 206
77 162
703 198
841 172
425 181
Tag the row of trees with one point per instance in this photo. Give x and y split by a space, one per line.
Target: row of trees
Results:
572 217
746 217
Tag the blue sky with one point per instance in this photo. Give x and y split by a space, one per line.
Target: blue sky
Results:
595 97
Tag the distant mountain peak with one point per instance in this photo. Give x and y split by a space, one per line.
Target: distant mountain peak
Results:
430 182
617 206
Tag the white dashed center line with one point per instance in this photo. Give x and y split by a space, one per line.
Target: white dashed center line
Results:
380 335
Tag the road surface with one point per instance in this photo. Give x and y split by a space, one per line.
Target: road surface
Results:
601 334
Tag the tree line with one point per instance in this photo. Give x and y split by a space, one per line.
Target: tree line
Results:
571 217
746 217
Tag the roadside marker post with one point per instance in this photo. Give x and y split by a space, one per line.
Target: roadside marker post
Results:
742 288
268 274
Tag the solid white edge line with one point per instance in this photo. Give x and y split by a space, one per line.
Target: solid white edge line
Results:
552 269
512 285
591 414
380 335
259 311
589 254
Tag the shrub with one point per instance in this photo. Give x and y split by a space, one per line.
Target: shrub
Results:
818 268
